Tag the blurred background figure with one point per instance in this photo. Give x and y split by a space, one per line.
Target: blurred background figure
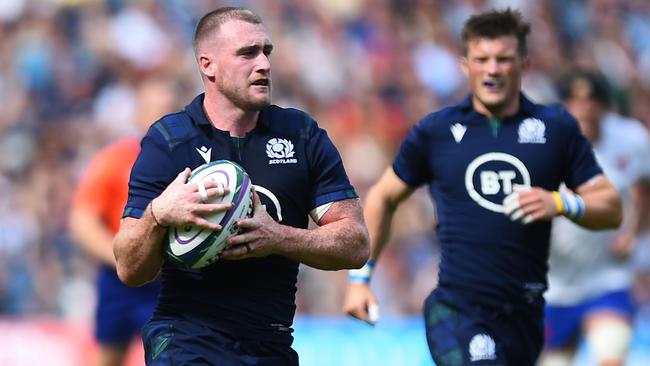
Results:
478 312
591 278
68 74
95 218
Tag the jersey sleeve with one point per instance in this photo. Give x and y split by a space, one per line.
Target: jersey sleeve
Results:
152 172
411 162
581 164
329 181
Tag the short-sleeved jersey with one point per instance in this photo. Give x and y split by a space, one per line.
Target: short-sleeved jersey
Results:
582 265
470 164
103 190
294 167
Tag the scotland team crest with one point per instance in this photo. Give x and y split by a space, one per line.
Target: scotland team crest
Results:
280 151
532 131
482 347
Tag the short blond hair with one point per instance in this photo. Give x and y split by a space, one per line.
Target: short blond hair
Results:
211 21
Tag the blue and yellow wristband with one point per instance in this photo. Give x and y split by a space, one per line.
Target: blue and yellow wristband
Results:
569 205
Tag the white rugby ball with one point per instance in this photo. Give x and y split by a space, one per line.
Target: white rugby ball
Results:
194 247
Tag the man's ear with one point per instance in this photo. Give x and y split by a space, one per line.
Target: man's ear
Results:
207 66
463 66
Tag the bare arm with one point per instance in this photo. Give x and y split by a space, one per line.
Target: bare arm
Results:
382 202
340 241
91 233
603 209
138 244
138 249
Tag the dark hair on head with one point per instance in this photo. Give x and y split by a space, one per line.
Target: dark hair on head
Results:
598 87
214 19
494 24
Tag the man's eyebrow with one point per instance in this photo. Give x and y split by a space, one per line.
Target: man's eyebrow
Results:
255 47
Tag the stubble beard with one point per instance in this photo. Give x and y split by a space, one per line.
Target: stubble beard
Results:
243 100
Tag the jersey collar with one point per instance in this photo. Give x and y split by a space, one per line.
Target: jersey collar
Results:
197 113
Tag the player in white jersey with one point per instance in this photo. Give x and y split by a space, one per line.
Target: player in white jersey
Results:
590 277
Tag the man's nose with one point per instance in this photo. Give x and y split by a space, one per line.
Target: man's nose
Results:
263 63
493 67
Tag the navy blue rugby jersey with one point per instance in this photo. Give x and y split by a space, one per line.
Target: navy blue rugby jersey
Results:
294 167
470 164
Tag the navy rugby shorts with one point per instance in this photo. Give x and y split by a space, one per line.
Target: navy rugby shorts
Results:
178 342
461 334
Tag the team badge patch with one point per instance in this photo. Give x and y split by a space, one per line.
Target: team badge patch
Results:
532 131
482 347
280 151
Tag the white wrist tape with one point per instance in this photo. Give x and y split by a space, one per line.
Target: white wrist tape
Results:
363 274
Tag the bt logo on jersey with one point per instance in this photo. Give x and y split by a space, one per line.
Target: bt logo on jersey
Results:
491 182
495 175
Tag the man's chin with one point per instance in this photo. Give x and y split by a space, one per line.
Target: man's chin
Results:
263 102
493 102
257 104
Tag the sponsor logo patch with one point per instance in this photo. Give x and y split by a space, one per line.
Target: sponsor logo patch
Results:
492 176
205 153
458 131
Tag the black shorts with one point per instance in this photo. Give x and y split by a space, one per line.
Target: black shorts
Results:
459 334
179 342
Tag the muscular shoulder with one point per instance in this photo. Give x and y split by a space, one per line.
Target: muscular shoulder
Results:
442 117
172 130
555 114
289 122
437 123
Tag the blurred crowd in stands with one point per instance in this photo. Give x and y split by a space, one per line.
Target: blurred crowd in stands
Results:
71 74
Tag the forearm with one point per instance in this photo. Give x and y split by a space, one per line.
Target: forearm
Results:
92 235
138 249
382 202
378 214
339 245
380 206
603 209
